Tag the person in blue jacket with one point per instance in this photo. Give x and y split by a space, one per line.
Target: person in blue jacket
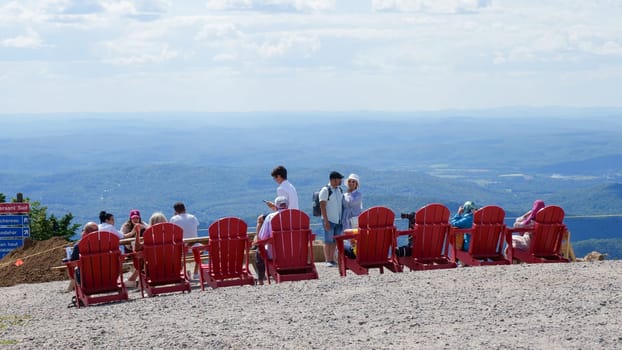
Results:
464 219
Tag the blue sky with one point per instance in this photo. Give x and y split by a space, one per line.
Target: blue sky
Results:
307 55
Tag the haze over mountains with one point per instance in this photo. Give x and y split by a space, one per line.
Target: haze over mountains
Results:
219 164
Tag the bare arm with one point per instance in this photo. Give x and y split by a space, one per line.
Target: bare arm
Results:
324 216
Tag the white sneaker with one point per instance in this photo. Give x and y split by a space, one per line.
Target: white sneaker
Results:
331 264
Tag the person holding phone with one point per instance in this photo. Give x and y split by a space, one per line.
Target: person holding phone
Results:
285 188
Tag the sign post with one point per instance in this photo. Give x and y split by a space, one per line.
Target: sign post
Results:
14 226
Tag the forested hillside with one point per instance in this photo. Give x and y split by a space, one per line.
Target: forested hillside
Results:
220 164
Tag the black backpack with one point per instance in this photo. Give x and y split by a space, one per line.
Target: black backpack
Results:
317 211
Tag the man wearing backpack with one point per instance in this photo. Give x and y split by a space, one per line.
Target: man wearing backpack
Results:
331 198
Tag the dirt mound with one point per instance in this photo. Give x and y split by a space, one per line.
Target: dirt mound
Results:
37 257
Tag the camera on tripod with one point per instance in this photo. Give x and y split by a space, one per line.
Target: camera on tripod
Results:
411 218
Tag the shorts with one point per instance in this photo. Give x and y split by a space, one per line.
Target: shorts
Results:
521 242
335 230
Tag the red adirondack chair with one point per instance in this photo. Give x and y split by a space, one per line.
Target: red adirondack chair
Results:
430 239
546 237
228 249
100 268
162 261
489 238
292 248
375 243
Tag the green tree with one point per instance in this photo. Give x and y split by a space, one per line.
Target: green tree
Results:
2 198
42 227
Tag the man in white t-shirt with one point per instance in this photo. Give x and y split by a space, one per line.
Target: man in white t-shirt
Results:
331 199
285 189
189 223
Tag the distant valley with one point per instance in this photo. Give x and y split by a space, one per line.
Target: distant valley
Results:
220 164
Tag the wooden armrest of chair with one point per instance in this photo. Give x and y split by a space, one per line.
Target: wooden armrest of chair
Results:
71 268
262 242
261 247
127 256
137 257
405 232
519 230
345 236
199 248
340 246
196 252
455 230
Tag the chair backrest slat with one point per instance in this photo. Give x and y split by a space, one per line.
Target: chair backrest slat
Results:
376 236
548 231
487 236
431 232
291 239
100 262
164 251
228 245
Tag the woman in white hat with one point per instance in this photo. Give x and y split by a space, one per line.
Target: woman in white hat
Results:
352 203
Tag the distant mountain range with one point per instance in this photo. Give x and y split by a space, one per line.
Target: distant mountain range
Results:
220 164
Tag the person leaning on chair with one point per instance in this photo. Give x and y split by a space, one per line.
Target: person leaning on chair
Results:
331 200
264 231
526 220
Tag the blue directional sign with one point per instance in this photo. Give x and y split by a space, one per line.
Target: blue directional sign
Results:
14 226
13 232
14 220
10 244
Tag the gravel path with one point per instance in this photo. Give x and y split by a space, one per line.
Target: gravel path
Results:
552 306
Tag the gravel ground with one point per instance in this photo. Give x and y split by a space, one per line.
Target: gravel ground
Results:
547 306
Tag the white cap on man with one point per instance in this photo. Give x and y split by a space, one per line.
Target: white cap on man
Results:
281 202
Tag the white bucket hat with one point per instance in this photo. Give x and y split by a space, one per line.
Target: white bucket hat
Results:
355 178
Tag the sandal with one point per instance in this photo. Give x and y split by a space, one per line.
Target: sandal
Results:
74 302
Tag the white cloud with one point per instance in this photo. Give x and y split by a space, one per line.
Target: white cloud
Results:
287 42
431 6
229 4
610 48
72 7
391 54
218 31
272 5
30 40
224 58
140 48
15 12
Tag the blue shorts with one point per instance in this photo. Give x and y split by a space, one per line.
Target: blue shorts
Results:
335 230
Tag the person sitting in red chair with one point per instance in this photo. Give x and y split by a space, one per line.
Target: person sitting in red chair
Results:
527 220
264 231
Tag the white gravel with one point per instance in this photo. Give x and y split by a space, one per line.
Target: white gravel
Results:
547 306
